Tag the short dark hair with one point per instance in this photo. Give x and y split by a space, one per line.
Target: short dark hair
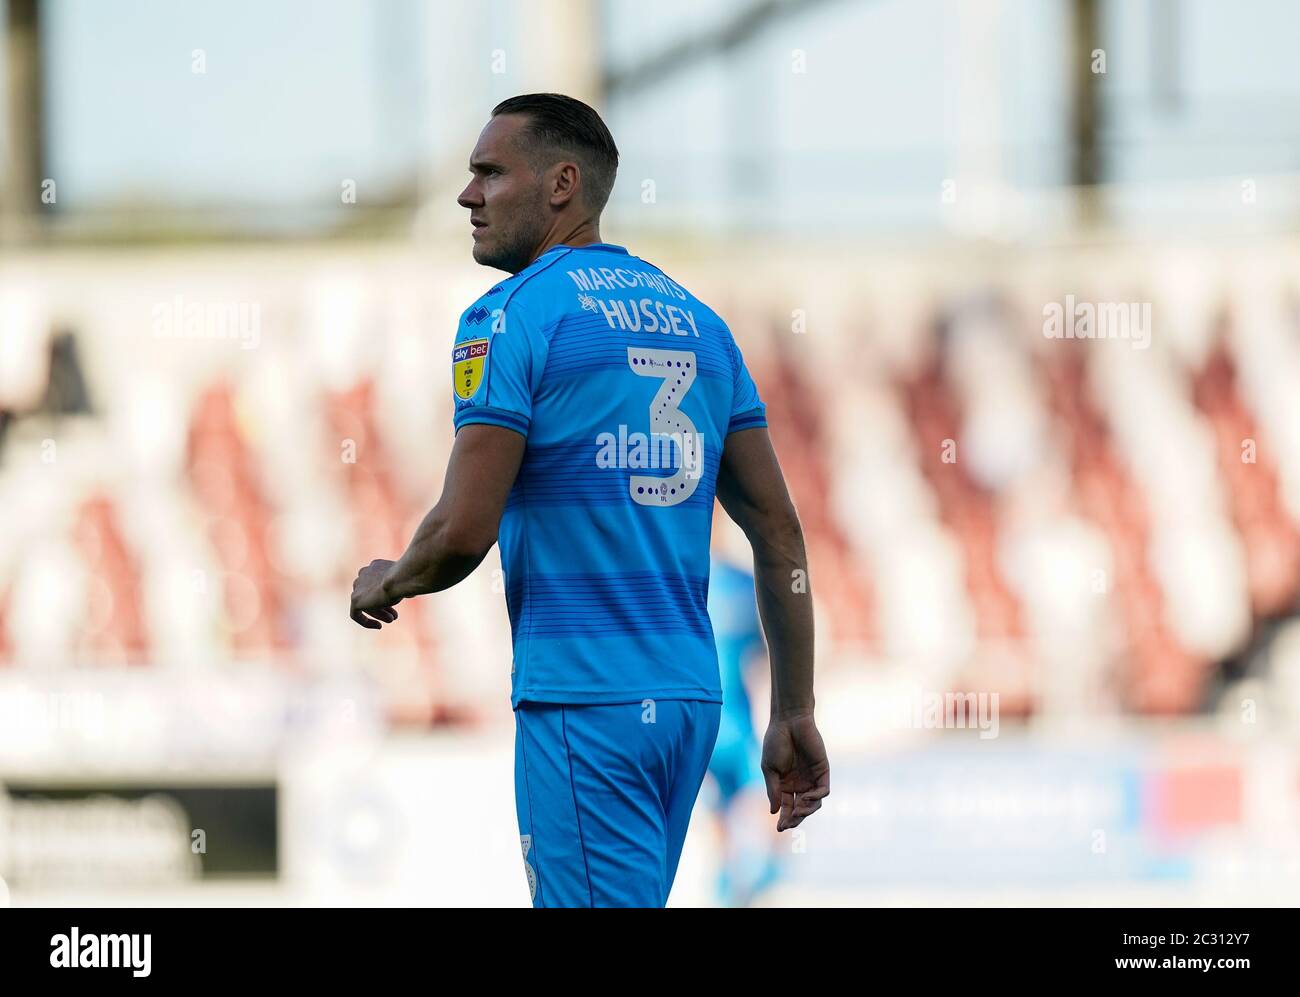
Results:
557 123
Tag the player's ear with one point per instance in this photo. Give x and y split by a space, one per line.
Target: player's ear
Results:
564 185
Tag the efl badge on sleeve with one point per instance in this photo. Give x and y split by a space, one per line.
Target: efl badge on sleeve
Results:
467 360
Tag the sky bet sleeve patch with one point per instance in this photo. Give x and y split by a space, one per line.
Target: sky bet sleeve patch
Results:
496 366
467 362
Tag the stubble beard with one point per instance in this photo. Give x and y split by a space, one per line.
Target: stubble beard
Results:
514 247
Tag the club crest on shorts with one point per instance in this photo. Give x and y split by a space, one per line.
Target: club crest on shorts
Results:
467 361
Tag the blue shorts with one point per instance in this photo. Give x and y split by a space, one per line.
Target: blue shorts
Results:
604 796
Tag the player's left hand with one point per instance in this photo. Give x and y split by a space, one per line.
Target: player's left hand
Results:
370 607
795 768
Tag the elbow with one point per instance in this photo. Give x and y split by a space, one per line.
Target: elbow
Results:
779 530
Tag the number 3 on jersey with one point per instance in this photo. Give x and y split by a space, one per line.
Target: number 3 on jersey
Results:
677 369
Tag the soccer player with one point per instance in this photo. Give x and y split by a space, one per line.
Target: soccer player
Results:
599 406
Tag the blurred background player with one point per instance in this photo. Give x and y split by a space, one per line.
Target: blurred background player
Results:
748 845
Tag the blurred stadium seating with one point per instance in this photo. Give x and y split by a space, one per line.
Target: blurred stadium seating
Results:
946 456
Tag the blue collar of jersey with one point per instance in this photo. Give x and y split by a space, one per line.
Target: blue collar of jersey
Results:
606 247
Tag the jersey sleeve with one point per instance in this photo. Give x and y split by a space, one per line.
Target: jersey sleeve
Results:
496 367
747 409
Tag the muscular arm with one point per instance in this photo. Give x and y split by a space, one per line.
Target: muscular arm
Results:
752 490
458 532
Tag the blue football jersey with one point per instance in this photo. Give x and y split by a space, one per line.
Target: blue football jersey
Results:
625 386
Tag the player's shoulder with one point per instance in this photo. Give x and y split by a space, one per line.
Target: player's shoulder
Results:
532 292
482 307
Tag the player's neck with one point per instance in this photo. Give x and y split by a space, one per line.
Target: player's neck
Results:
585 233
